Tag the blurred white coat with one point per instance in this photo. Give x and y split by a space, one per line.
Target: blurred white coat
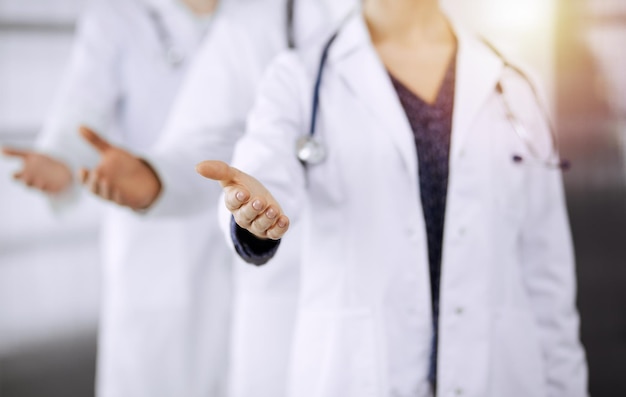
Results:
166 283
207 120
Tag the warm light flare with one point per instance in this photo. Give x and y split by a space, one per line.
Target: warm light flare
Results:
520 16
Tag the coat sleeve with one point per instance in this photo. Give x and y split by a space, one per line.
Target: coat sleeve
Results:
210 112
207 119
268 149
88 95
549 269
90 90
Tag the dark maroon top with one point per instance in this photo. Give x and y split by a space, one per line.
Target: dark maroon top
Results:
432 129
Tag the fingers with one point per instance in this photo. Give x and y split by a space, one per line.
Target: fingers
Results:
104 189
249 212
269 224
30 180
83 175
94 139
279 228
14 152
251 204
33 182
234 198
101 186
262 220
116 197
217 170
93 181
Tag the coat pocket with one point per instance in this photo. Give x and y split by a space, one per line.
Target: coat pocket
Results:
517 367
335 355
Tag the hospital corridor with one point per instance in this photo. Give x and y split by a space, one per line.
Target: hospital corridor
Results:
312 198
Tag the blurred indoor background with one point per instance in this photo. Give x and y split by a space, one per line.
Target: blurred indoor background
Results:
49 274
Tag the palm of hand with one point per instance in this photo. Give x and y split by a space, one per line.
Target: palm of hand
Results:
120 176
132 179
252 205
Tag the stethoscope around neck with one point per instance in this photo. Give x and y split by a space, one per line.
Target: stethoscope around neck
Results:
552 160
310 151
171 53
175 57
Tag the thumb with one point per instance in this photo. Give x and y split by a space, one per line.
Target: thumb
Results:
94 139
217 170
7 151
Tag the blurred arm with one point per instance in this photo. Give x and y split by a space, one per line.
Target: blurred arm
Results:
209 115
89 92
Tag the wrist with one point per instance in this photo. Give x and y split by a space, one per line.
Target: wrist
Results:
155 186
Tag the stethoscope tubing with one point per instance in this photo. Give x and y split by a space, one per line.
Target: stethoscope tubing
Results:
553 159
318 83
172 56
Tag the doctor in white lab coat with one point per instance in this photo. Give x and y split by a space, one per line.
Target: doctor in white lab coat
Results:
508 325
208 117
166 283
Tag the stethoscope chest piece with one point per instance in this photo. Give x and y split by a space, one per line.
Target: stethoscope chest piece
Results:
310 151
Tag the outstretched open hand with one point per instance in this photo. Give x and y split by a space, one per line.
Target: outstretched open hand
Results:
252 205
120 176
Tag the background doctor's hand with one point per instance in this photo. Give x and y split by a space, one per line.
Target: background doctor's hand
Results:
40 171
119 177
251 204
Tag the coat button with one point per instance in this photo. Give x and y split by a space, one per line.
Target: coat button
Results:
459 310
462 231
458 392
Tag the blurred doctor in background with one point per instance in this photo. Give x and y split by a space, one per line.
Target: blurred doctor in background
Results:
166 283
208 118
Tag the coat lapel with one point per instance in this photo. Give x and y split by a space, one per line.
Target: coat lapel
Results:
356 62
478 71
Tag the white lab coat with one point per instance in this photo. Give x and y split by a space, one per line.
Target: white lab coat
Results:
208 118
166 283
508 322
